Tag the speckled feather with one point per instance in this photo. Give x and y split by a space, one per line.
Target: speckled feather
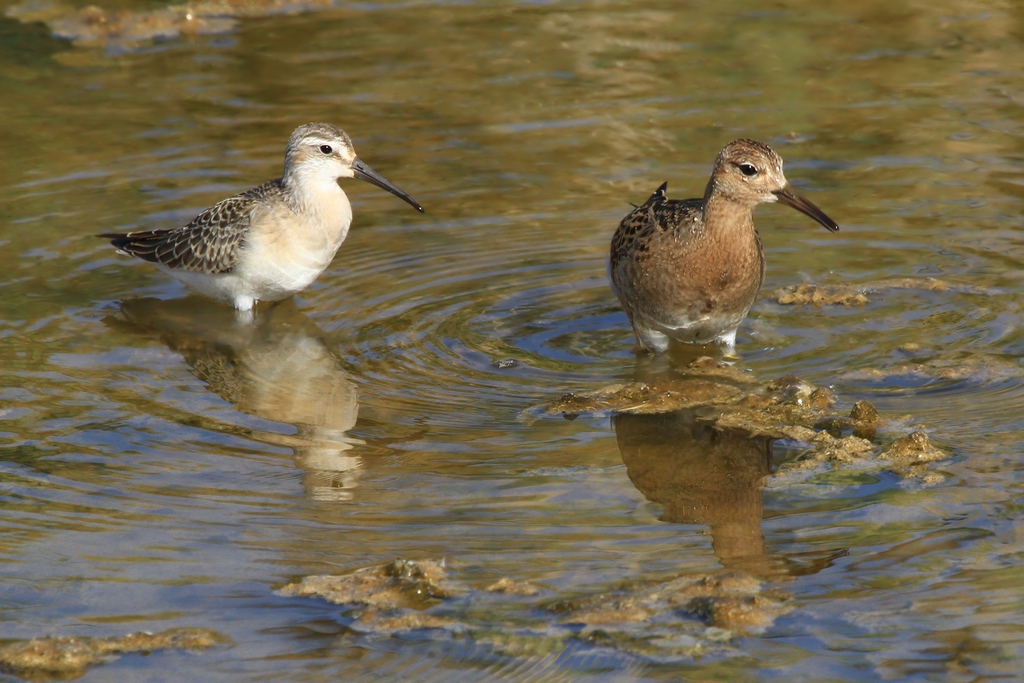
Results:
690 269
679 220
273 241
210 243
658 213
662 232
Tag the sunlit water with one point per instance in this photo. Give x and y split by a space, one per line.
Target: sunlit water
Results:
165 465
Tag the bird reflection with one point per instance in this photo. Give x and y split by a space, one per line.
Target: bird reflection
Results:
701 474
277 368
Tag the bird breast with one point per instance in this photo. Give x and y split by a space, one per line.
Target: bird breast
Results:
289 245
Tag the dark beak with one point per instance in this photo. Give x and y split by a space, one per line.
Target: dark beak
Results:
364 172
790 198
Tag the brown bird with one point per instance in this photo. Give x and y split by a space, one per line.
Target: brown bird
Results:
690 269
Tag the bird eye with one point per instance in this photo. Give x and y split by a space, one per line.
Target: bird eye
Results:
326 149
748 170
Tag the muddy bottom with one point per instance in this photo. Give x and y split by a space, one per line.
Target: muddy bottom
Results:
717 395
677 617
68 657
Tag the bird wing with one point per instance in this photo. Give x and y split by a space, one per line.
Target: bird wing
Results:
657 215
210 243
674 216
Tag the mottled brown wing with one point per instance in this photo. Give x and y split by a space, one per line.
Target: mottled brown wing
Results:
678 216
657 214
208 244
626 237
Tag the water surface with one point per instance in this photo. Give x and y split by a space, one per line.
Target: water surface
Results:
162 465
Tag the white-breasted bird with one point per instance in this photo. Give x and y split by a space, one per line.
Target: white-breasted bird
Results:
274 240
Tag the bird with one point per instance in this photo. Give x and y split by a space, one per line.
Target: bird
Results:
274 240
689 270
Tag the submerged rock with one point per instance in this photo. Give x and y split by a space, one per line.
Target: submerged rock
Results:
734 601
643 398
732 402
806 294
671 619
397 585
375 622
817 295
976 368
829 450
911 454
64 657
510 587
736 613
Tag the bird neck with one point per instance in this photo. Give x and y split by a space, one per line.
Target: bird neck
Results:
317 196
726 217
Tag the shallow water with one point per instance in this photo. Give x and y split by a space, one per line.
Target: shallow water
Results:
162 465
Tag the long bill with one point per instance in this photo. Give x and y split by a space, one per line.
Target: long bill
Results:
364 172
790 198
